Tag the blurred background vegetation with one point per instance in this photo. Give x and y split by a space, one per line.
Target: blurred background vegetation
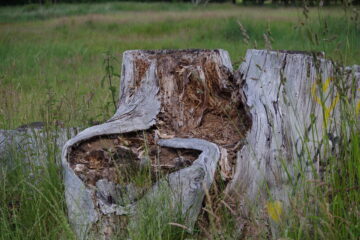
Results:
55 53
254 2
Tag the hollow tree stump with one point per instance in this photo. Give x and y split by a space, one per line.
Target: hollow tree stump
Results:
190 101
179 115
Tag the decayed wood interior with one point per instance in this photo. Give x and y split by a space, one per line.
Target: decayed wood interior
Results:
199 100
117 158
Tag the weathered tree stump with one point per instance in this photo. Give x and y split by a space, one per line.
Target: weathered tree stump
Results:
182 112
177 110
294 107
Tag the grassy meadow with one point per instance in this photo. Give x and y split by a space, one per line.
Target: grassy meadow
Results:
56 53
53 59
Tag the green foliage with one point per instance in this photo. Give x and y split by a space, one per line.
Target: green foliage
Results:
157 219
110 73
66 54
41 12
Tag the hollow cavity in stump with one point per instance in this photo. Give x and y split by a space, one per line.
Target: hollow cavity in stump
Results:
120 158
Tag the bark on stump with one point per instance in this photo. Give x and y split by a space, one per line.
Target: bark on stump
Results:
177 110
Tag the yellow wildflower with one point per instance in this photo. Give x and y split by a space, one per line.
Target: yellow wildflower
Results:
274 210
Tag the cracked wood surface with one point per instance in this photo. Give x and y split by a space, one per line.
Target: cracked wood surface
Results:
282 90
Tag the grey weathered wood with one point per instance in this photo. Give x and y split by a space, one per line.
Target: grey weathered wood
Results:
189 184
143 95
284 140
31 142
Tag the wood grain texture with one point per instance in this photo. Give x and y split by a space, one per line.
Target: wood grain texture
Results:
31 144
294 106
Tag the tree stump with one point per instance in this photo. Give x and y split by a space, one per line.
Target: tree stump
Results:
294 108
182 113
178 115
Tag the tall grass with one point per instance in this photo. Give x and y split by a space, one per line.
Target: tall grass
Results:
326 206
32 202
157 219
64 55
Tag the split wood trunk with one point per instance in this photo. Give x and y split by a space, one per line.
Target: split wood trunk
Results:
182 113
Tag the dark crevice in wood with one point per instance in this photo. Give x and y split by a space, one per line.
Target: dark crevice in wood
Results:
118 158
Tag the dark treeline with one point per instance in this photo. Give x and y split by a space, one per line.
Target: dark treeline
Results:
244 2
302 2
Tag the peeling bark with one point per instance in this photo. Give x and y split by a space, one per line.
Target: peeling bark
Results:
171 99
